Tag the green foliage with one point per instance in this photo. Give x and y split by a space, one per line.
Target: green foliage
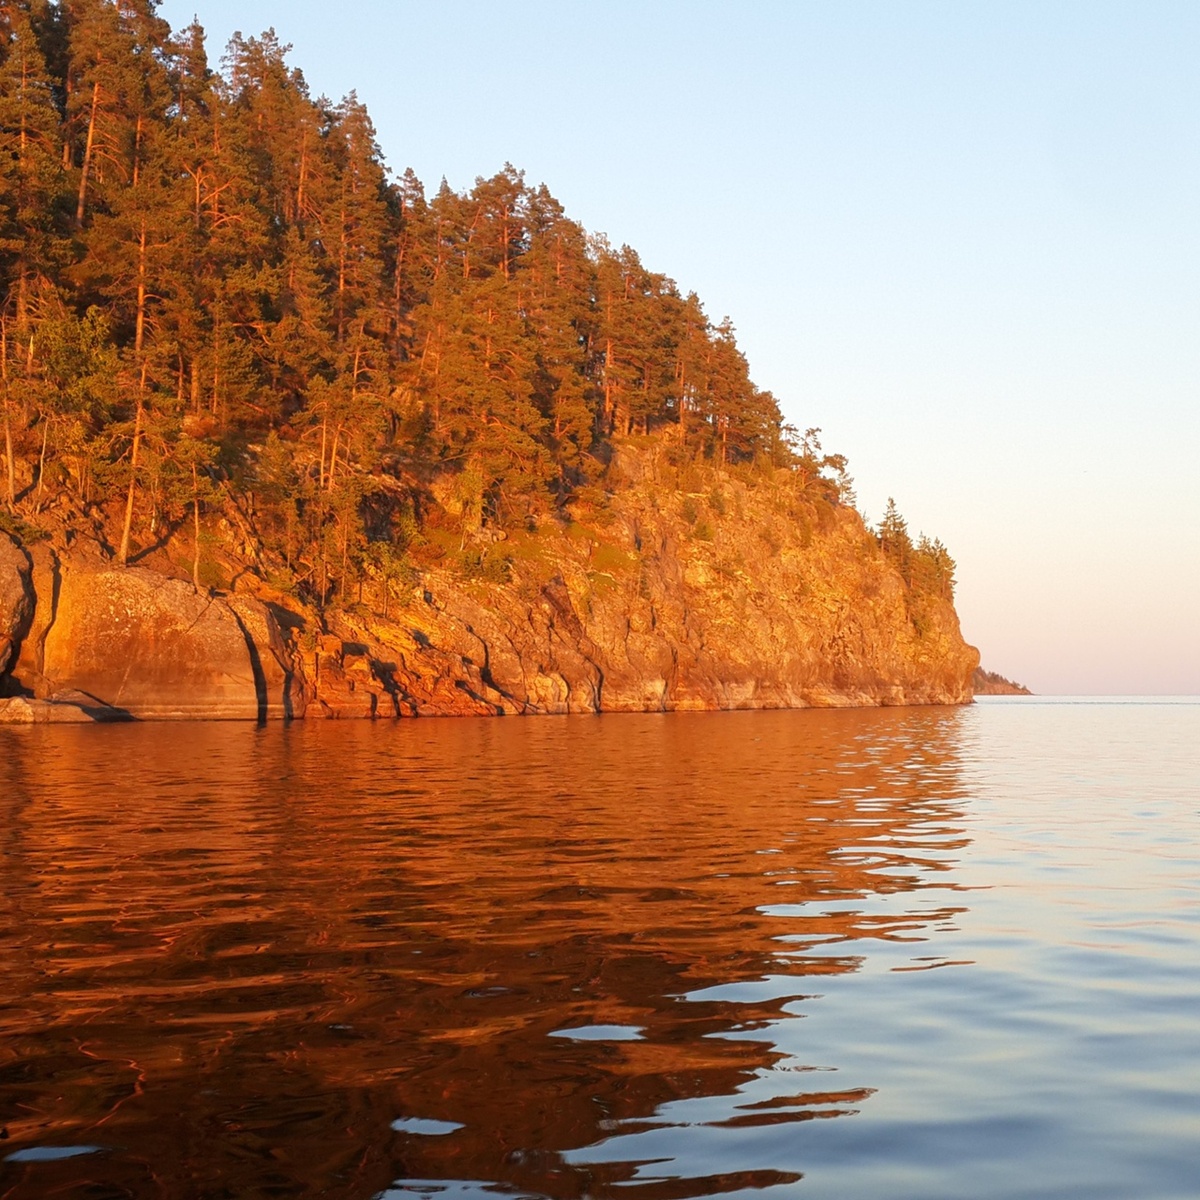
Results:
212 575
490 564
23 531
894 540
602 584
611 559
819 475
933 568
926 566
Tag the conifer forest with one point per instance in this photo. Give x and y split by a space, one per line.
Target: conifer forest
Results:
216 298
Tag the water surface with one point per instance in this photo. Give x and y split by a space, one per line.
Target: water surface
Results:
898 953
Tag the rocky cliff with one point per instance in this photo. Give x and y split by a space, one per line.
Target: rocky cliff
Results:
739 593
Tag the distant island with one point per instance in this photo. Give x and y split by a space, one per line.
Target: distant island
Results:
283 436
988 683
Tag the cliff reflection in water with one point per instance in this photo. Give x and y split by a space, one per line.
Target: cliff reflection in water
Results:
251 962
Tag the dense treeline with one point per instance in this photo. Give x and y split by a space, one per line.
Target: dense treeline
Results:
214 291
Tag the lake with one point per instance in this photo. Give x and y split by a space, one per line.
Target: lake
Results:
898 953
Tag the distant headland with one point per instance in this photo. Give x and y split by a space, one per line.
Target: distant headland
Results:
988 683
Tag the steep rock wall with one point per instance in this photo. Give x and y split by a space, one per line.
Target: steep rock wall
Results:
657 612
735 596
135 643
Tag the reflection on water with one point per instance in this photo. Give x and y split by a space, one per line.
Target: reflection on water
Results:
547 958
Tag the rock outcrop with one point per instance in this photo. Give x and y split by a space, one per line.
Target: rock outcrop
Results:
737 596
111 643
655 612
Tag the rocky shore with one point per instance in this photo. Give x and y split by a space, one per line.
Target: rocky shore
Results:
733 597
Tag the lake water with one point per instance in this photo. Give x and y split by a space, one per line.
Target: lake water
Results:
905 953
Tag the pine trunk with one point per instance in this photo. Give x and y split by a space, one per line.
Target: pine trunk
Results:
8 457
123 552
196 529
8 441
37 504
81 206
140 327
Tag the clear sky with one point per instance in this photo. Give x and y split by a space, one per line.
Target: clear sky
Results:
961 238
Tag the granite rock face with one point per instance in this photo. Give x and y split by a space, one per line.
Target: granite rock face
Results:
735 596
138 644
674 623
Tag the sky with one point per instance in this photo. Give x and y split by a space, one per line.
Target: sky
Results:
961 239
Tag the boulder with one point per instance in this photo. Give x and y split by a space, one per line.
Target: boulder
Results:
154 648
345 682
67 708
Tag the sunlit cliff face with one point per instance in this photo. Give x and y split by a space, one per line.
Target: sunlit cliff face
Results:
261 959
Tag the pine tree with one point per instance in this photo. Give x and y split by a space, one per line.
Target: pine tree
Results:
894 540
933 568
556 295
32 182
411 256
496 237
32 192
113 81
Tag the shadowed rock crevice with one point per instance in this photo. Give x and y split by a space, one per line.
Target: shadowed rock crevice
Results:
256 666
17 602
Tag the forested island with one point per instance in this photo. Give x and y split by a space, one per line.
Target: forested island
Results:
283 434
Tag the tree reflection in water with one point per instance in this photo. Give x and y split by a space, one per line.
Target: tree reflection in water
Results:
537 957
